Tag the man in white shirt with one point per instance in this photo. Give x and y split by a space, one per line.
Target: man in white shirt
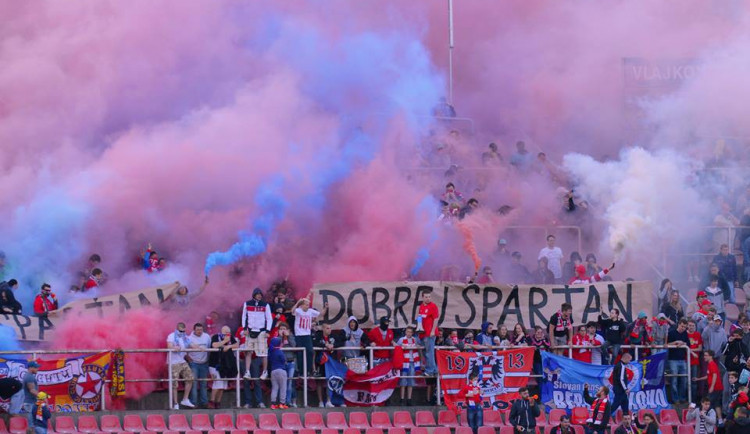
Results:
199 364
597 341
178 340
303 319
554 257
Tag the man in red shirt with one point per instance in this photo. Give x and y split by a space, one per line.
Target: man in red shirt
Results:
714 380
473 395
428 316
45 301
696 346
381 336
582 339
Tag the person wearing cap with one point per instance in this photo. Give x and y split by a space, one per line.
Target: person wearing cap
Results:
701 315
660 326
678 341
381 336
40 414
714 336
30 389
693 307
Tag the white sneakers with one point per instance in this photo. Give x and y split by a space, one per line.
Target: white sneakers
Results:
329 405
264 375
247 375
186 403
176 406
261 405
321 405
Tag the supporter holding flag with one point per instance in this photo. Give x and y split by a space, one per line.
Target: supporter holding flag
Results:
150 260
473 395
614 334
600 411
427 326
581 277
329 341
412 365
257 321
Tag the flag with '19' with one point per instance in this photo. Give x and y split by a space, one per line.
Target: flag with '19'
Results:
500 374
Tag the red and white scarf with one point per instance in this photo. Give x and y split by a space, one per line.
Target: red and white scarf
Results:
597 410
410 356
562 322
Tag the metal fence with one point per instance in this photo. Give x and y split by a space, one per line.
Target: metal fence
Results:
305 377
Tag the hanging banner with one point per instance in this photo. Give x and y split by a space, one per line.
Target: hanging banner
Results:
501 374
73 385
562 385
372 388
468 306
33 328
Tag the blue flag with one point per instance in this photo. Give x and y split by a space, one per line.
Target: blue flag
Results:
335 379
563 380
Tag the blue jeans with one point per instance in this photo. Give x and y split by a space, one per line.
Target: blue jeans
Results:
429 355
678 367
247 394
306 343
606 360
200 370
694 384
40 430
291 392
732 298
26 408
475 417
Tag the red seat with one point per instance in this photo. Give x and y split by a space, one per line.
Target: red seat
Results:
374 431
396 430
425 418
464 419
418 430
486 430
192 431
177 422
506 416
685 411
268 422
291 421
131 423
262 431
201 422
238 431
169 432
223 422
666 429
669 417
314 420
506 430
442 430
155 422
464 430
347 431
336 420
309 431
492 418
88 424
579 416
686 429
645 411
358 419
541 420
284 431
447 419
216 431
554 416
18 425
380 419
332 431
246 422
402 419
64 425
3 428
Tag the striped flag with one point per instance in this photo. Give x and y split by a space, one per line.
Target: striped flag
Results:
501 374
372 388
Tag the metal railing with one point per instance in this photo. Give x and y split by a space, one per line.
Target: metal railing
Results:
305 376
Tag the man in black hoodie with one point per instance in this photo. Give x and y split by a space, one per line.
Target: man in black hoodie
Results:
614 330
523 413
8 302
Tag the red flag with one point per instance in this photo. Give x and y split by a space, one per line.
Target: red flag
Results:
501 374
398 358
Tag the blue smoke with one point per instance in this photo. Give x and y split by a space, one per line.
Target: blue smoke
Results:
426 212
9 342
272 206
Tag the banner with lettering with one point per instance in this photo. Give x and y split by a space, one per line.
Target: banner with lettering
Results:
373 388
73 385
501 374
562 385
468 306
32 328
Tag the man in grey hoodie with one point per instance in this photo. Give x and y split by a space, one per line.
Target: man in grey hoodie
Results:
354 336
715 337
